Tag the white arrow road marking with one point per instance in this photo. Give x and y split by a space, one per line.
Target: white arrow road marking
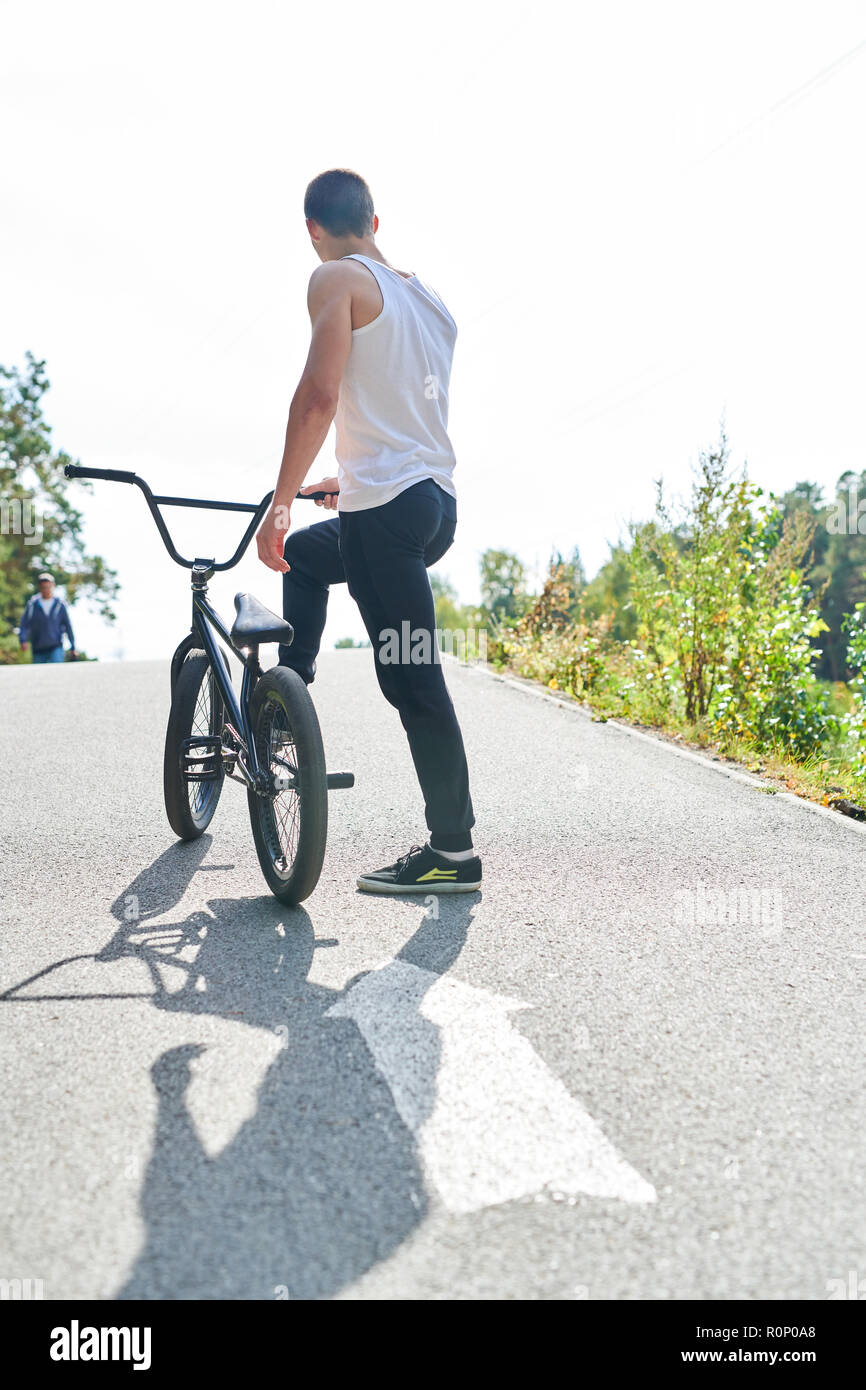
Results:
491 1121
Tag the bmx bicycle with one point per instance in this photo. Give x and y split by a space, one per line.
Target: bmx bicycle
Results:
268 737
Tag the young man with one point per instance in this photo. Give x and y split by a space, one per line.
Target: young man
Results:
45 620
379 362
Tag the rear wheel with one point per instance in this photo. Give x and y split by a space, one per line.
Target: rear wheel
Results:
196 712
290 825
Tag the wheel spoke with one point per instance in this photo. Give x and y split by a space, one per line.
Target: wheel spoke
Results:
203 723
279 755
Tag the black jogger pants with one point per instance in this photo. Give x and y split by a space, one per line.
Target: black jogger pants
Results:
382 554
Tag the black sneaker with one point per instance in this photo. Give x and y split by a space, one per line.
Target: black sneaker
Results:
422 870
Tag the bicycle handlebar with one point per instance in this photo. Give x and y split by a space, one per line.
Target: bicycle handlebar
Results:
115 475
112 475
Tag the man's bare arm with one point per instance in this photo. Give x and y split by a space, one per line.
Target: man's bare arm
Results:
314 403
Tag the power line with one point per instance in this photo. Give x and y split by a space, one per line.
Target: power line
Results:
785 102
620 404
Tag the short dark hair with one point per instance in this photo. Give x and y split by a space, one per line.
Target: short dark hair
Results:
341 202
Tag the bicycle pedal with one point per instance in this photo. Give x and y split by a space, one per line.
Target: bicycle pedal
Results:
204 765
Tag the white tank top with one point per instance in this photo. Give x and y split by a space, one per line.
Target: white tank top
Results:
392 416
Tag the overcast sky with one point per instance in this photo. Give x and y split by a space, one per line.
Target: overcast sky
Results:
641 216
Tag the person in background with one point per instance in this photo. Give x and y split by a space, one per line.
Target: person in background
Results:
45 620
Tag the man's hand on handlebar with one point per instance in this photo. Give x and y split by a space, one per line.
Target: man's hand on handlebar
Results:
271 537
329 485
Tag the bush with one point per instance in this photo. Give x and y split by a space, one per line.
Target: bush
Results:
724 609
706 623
547 644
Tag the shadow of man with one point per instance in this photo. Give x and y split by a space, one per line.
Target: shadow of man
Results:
323 1181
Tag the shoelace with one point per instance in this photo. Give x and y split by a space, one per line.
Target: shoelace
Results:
404 858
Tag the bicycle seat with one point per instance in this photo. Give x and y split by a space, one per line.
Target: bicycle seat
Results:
255 624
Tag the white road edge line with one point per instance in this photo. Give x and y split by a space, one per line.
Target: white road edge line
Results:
859 827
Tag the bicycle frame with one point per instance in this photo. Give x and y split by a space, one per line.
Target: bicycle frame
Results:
204 615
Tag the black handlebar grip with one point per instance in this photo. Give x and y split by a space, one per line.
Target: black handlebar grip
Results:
111 475
314 496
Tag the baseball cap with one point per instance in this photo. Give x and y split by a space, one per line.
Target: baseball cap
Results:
45 575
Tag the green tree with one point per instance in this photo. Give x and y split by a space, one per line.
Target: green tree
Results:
39 527
571 573
841 568
836 574
571 569
609 594
449 613
459 624
854 630
504 595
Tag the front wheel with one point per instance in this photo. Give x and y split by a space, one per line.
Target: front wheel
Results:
196 712
290 824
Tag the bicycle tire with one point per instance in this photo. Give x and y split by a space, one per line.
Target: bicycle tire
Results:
190 806
290 828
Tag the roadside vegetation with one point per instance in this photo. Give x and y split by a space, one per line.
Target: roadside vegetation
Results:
733 620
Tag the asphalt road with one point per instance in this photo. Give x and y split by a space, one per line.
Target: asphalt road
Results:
631 1067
